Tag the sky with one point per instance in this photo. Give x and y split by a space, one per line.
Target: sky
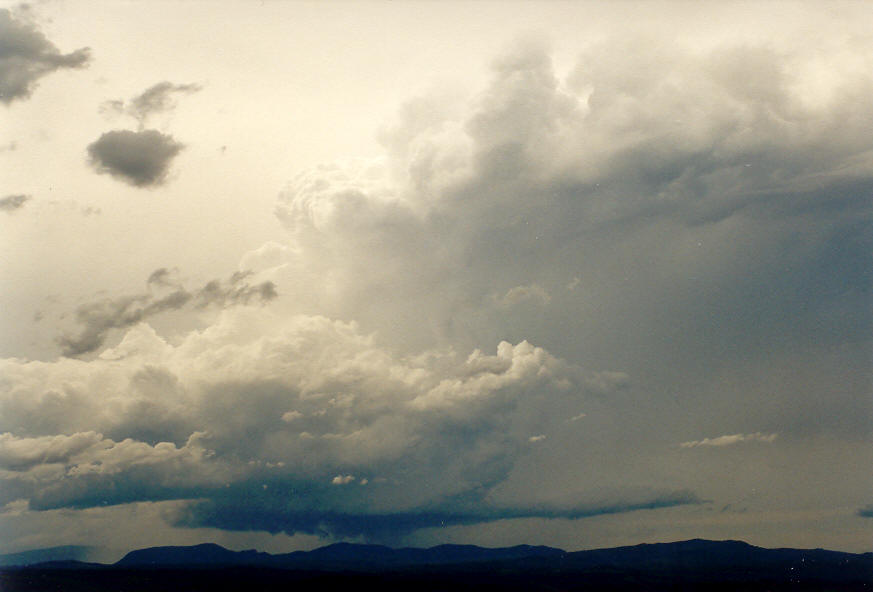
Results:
579 274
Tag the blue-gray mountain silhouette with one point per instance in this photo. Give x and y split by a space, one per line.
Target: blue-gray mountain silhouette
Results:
688 565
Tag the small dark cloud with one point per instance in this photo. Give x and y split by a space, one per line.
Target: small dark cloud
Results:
235 291
97 319
155 99
26 56
866 511
112 107
10 203
163 277
141 159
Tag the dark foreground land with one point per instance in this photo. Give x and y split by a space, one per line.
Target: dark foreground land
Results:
263 579
690 565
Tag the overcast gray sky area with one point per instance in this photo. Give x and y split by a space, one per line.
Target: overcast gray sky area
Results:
585 274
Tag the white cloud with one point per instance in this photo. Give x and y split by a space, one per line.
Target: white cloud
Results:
729 440
342 479
290 416
520 294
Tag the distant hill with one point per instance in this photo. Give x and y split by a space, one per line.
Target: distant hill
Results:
687 565
65 553
339 555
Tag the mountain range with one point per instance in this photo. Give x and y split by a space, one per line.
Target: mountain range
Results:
693 564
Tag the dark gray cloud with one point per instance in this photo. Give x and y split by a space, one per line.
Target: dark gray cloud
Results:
26 56
141 158
97 319
866 511
155 99
268 510
235 291
10 203
164 277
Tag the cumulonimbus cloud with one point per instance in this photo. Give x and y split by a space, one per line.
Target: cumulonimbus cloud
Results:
26 56
262 414
511 196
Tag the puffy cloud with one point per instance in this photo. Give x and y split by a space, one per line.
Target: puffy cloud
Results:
87 470
140 158
10 203
713 216
729 440
158 98
298 405
98 318
26 56
22 453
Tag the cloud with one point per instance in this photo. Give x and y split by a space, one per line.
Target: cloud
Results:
716 218
98 318
520 294
23 453
164 277
26 56
141 158
155 99
209 418
235 292
719 221
290 416
10 203
262 514
866 511
730 440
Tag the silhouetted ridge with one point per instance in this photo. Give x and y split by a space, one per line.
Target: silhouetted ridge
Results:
197 555
64 553
695 565
346 555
